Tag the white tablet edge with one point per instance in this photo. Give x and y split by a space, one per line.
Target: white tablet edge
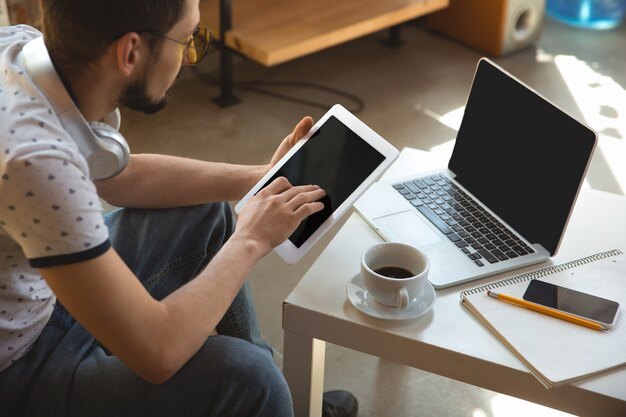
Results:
287 250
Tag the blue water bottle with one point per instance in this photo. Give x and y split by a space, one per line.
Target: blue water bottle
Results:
592 14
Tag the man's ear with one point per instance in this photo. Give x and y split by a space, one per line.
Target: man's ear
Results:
129 51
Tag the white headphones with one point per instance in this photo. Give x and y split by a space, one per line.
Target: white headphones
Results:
105 148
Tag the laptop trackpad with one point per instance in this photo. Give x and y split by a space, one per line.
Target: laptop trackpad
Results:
407 227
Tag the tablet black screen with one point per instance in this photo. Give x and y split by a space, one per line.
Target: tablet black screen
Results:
336 159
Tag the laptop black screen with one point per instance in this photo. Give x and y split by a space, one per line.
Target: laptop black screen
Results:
520 155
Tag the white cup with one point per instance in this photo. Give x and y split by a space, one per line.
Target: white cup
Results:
386 287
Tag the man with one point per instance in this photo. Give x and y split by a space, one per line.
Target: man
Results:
116 315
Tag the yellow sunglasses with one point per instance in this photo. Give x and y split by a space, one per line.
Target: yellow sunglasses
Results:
196 47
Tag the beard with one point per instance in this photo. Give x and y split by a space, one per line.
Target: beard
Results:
135 97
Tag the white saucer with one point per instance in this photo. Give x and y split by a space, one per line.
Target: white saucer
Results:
358 296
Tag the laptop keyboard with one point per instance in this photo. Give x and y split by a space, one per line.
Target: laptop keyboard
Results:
479 235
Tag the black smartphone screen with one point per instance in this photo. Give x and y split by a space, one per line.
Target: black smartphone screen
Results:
571 301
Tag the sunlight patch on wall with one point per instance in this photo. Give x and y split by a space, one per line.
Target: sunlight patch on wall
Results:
602 102
452 119
506 406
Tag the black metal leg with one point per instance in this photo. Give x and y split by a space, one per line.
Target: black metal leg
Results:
226 97
395 37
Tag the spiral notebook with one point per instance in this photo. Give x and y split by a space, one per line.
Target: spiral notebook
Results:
555 351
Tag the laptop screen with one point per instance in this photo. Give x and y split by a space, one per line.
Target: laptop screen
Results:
521 156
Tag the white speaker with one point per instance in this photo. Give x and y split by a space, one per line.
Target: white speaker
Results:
497 27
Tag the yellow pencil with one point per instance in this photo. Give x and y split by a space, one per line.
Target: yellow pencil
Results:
546 310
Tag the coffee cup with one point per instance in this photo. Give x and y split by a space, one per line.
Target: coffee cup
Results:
394 274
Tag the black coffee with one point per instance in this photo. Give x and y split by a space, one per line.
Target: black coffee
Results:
394 272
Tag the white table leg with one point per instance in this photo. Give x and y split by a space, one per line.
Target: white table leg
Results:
303 367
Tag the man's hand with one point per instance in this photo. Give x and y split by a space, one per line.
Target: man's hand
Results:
275 212
301 129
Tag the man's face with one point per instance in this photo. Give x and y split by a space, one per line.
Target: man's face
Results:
147 91
136 97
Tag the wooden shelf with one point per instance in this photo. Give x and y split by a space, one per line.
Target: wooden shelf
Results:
271 32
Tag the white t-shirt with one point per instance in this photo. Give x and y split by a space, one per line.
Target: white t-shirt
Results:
50 213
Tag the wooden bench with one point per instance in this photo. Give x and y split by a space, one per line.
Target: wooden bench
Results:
272 32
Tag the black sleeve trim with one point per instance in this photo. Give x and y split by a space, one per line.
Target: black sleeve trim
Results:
70 258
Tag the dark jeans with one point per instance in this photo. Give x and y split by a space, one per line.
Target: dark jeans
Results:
67 373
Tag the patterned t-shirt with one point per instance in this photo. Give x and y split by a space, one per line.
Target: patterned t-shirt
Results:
50 213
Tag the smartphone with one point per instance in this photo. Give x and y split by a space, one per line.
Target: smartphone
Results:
587 306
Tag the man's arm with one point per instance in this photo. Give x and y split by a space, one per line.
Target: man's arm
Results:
159 181
162 181
154 338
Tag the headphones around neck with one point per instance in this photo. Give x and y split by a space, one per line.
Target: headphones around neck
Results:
104 148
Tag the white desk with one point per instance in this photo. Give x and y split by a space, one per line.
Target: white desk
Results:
448 341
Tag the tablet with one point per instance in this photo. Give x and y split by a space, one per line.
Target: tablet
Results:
341 155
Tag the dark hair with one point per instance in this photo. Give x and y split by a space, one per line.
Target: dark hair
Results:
78 32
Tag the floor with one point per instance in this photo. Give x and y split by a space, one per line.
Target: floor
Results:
413 96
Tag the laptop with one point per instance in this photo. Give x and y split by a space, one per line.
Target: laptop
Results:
507 194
